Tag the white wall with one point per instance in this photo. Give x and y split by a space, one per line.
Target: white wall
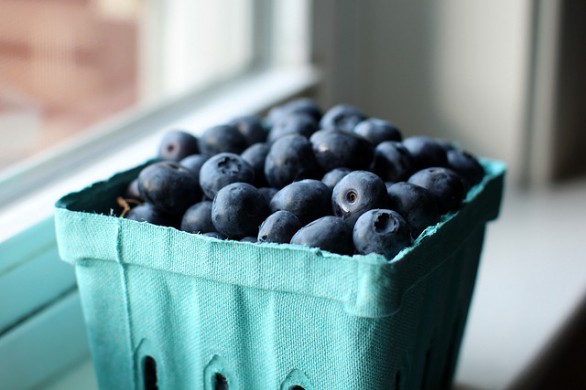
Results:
457 69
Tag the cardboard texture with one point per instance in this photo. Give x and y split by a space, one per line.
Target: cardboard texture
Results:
267 316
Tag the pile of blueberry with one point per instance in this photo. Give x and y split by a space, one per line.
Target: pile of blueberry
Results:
339 181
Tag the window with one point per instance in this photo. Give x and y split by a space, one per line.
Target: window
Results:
87 87
66 65
176 56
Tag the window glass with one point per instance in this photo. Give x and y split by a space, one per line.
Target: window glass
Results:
66 65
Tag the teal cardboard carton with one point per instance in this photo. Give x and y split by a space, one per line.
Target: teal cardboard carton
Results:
191 312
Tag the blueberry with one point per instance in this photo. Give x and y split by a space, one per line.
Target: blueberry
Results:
334 176
377 130
297 106
222 139
302 124
198 218
466 165
256 155
146 212
238 209
223 169
248 239
337 149
169 187
392 161
132 191
445 144
177 144
415 204
194 162
279 227
356 193
290 158
217 235
250 126
342 117
308 199
329 233
381 231
445 186
268 193
426 152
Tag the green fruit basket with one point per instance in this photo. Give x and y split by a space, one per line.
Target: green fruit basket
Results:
171 310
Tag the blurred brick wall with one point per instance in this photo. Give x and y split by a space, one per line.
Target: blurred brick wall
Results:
64 54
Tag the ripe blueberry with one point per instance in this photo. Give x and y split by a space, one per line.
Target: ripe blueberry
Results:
250 126
194 163
132 191
444 185
177 144
256 155
297 106
342 117
377 130
169 187
356 193
426 152
290 158
466 165
308 199
381 231
268 193
279 227
392 161
415 204
146 212
302 124
198 218
337 149
222 139
334 176
238 209
328 233
223 169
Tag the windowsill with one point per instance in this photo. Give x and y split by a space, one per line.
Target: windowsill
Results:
532 278
253 94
